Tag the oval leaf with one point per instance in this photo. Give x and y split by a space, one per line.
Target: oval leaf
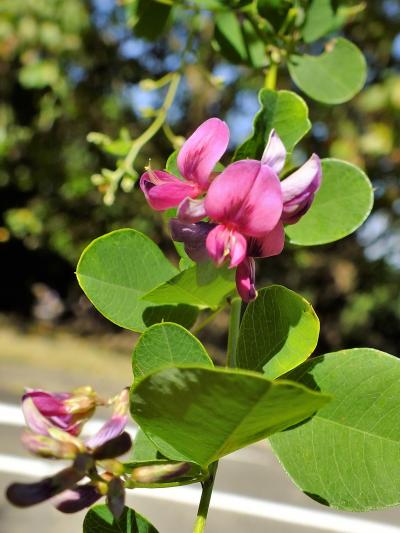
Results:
204 414
278 332
203 285
284 111
117 269
347 455
100 520
332 77
341 205
167 345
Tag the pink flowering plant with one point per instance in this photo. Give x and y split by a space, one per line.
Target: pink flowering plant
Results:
331 419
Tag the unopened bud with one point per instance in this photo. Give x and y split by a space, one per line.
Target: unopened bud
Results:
159 473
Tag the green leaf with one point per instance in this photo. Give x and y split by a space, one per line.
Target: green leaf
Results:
150 18
204 286
279 331
347 455
320 20
117 269
238 41
144 451
167 345
283 111
204 414
340 206
275 11
333 77
100 520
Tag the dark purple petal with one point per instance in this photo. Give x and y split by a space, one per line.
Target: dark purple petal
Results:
27 494
193 237
76 499
113 447
116 497
191 210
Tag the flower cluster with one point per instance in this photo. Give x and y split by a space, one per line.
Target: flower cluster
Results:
235 215
55 421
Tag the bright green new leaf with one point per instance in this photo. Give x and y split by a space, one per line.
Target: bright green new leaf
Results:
117 269
283 111
340 206
100 520
347 455
333 77
278 332
320 20
205 413
203 285
167 345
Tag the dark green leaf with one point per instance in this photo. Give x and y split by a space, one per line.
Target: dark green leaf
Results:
204 286
347 455
333 77
283 111
100 520
150 18
117 269
205 414
279 331
167 345
340 206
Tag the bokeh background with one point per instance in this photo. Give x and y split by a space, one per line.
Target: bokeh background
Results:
68 68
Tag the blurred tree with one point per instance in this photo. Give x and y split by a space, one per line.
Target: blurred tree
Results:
71 68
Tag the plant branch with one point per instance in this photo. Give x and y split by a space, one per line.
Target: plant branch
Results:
204 504
233 335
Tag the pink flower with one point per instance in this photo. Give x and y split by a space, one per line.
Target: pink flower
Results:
65 410
50 440
245 201
196 161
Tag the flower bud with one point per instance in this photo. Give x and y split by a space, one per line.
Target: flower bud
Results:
159 473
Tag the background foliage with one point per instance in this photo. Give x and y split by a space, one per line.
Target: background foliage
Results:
70 68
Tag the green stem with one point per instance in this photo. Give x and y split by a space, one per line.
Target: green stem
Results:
208 484
233 335
271 77
204 504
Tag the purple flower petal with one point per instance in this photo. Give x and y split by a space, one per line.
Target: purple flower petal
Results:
163 190
275 153
116 497
268 245
299 188
193 237
113 447
27 494
76 499
191 210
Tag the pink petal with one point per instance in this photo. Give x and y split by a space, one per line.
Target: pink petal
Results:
245 280
191 210
223 242
299 189
275 153
268 245
202 151
246 196
33 418
163 190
